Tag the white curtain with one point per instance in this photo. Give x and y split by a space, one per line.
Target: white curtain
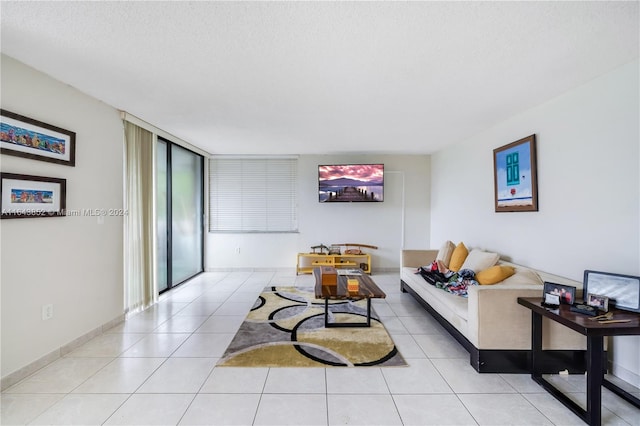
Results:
140 286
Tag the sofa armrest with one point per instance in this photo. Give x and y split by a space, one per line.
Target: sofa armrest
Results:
417 258
497 321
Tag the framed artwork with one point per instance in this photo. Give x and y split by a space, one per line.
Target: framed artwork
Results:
26 196
566 294
24 137
515 177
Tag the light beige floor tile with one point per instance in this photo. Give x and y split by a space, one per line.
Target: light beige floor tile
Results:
408 347
136 325
156 345
420 377
122 375
356 381
464 379
441 346
432 410
61 376
181 324
553 409
503 409
362 410
522 383
179 375
222 409
20 409
196 309
422 325
622 408
204 345
81 409
292 409
234 308
393 325
145 409
235 380
107 345
296 380
221 324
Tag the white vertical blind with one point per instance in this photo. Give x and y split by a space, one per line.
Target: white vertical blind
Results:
253 194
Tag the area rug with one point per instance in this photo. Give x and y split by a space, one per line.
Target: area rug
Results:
285 328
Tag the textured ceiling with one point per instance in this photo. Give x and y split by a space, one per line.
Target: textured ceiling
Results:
322 77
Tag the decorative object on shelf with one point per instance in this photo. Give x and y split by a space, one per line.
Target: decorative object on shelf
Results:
622 291
515 177
357 249
320 247
566 294
25 196
334 249
25 137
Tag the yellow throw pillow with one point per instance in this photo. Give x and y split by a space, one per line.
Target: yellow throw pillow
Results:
458 257
495 274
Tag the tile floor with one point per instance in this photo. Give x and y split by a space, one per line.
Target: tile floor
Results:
158 368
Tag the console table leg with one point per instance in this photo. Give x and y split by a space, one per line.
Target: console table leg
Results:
595 353
536 345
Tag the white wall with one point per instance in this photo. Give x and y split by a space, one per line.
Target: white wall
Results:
589 190
73 263
402 219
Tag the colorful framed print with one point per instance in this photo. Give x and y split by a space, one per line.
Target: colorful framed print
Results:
24 196
515 177
24 137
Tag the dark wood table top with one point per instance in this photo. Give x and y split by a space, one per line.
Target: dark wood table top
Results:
582 323
367 288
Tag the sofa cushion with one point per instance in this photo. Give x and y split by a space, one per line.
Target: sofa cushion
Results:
444 255
494 274
524 276
458 256
479 260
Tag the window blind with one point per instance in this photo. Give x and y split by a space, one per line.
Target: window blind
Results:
253 194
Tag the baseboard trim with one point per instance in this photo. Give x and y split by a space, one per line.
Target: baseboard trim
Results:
24 372
506 361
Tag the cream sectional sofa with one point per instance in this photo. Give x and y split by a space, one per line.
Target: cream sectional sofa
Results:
490 323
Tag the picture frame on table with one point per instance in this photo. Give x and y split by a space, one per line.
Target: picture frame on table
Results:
27 196
515 176
598 301
28 138
565 294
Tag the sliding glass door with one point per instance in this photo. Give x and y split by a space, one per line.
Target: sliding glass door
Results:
179 214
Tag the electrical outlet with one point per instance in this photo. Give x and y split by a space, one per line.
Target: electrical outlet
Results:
238 250
47 312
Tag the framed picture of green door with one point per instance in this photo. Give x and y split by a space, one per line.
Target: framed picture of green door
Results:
515 176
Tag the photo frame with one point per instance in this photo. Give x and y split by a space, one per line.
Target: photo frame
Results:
565 293
26 196
515 176
25 137
598 301
622 291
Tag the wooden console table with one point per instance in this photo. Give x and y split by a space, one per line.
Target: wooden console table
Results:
596 362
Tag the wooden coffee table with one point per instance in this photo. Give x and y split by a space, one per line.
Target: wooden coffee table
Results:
367 289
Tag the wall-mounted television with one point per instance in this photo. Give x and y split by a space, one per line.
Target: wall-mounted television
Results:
351 183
